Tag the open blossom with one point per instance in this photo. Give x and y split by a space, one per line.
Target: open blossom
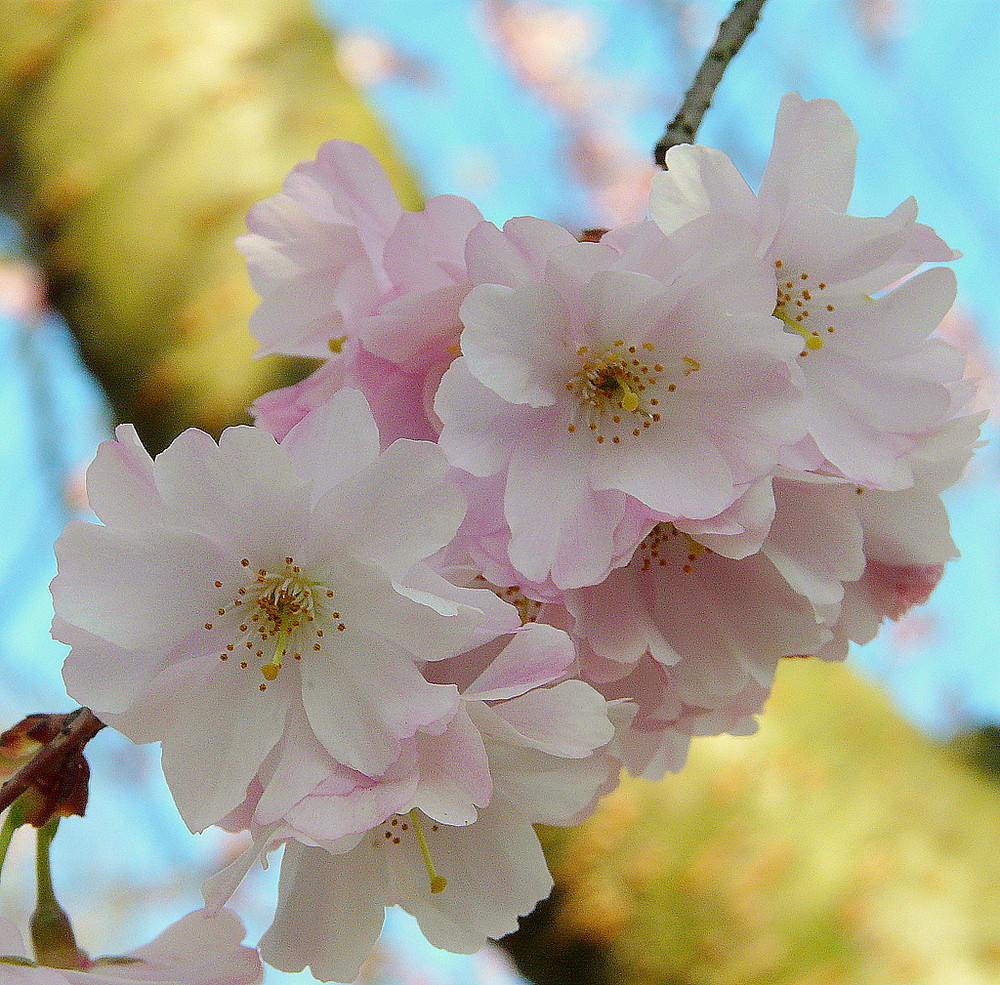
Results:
875 382
196 950
612 391
446 833
716 621
233 584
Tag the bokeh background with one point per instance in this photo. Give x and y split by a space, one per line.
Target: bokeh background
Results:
852 839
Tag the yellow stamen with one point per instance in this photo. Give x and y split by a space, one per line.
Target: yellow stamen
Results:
337 344
438 883
692 365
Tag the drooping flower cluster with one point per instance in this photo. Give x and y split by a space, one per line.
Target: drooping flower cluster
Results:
549 508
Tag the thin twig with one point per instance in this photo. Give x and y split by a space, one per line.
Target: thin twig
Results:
733 31
78 729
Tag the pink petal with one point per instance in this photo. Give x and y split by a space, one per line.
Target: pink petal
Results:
538 654
813 156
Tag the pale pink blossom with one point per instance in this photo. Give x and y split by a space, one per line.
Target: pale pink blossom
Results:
199 949
343 269
446 832
399 401
874 379
602 394
719 624
331 907
335 247
654 739
906 536
233 584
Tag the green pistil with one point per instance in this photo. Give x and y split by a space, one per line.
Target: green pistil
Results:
438 883
270 670
812 340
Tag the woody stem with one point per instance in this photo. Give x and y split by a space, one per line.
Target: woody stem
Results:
733 31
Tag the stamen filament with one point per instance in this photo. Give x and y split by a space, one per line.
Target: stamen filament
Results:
438 883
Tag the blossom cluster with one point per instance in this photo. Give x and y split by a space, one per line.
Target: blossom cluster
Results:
549 508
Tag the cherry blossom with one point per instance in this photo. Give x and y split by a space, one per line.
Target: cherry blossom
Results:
612 390
654 739
906 536
719 624
199 949
446 833
344 272
874 380
234 582
548 508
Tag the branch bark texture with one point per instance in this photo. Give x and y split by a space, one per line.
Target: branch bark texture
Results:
733 31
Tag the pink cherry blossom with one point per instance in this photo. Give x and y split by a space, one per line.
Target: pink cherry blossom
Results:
875 382
654 739
717 623
446 832
233 584
400 401
906 536
612 391
343 269
199 949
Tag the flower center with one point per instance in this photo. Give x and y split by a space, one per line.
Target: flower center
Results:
528 609
801 306
278 611
396 830
618 390
664 545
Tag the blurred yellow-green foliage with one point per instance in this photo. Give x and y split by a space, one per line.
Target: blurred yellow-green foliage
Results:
835 847
139 133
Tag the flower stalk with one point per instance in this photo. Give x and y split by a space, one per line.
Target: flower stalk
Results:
13 820
51 931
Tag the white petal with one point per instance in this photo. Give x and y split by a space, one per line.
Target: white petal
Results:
698 180
120 487
330 913
569 720
138 589
538 654
496 872
198 948
362 705
215 742
333 442
516 341
813 156
396 512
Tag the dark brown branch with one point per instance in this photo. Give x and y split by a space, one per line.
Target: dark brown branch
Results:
78 728
733 31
